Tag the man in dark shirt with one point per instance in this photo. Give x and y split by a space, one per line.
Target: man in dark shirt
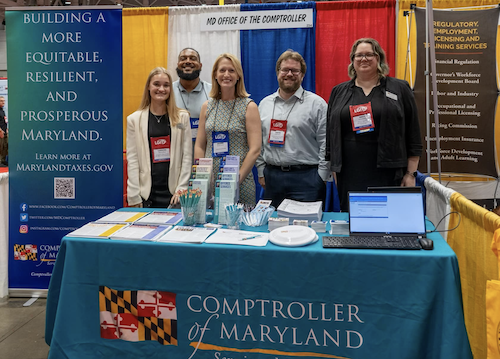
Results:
4 149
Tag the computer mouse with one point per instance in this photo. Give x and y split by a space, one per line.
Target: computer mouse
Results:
426 243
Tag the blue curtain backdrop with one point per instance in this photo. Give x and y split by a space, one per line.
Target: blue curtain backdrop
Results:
259 51
261 48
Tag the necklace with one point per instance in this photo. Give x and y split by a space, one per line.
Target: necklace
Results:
158 118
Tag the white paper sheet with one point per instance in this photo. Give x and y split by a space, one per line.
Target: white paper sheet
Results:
184 234
245 238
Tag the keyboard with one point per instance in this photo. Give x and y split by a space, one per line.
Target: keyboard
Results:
371 242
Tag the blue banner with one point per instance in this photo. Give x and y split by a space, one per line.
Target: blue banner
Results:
65 130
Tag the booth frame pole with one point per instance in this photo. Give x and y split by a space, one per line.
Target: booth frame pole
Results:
431 57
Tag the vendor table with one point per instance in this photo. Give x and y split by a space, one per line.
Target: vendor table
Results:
231 301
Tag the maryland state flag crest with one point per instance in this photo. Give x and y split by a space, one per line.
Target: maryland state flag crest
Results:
25 252
138 315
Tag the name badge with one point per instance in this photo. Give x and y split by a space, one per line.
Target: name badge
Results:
362 118
391 95
194 127
277 133
160 147
220 143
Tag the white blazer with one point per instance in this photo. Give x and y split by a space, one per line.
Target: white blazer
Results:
139 162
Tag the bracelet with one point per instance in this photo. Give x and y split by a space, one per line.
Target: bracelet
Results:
414 174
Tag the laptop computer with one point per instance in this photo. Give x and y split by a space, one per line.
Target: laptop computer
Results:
384 218
387 213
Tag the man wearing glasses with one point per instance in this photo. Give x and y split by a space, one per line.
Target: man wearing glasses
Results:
292 162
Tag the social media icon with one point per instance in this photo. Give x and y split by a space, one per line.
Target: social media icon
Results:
23 228
24 217
23 207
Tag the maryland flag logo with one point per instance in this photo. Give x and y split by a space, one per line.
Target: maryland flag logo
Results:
138 315
25 252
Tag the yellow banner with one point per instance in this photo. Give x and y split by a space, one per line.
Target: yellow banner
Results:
493 318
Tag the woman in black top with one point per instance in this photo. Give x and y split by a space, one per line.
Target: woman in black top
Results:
373 133
159 146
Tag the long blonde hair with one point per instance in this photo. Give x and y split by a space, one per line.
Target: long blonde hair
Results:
172 109
239 90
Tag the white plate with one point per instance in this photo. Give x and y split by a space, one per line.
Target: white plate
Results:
293 236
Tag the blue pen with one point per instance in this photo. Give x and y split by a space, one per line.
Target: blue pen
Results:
251 237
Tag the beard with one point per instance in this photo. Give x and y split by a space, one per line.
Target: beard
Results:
188 76
289 88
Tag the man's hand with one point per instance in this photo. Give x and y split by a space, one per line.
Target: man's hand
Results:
262 182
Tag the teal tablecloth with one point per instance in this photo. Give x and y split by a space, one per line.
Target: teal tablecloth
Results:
263 302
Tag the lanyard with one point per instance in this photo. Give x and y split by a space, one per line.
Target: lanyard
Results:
295 102
182 98
230 115
220 139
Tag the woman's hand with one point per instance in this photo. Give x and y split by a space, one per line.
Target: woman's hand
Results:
408 180
254 139
175 199
138 205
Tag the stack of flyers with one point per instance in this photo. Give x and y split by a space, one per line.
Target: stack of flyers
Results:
141 232
278 222
97 230
225 194
122 217
161 217
319 226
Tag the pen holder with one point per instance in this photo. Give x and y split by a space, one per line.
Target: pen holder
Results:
233 216
188 215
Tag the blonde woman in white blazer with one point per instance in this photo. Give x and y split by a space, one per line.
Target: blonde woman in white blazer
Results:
156 171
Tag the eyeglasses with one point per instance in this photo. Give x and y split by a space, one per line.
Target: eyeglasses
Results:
293 71
368 56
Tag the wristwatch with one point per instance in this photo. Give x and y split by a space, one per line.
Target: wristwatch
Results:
414 174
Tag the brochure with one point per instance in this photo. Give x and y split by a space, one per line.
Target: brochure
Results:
225 193
204 161
161 217
97 230
122 217
231 160
141 232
